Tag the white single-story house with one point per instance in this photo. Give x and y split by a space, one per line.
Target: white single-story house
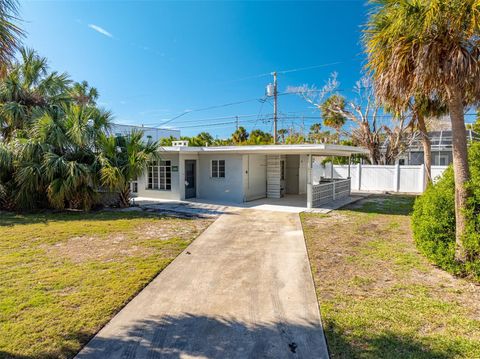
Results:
237 174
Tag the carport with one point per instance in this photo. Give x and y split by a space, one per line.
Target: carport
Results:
241 174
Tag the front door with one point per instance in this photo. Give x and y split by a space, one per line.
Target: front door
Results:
190 185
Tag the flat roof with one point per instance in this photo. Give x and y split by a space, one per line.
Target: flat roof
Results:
303 149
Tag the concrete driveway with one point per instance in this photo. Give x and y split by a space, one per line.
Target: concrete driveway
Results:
243 289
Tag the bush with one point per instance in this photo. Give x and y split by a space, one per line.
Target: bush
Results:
433 221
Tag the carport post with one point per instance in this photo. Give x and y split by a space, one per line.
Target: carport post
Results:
349 163
331 168
309 182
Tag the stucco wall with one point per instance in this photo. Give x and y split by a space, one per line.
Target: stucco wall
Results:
174 193
228 189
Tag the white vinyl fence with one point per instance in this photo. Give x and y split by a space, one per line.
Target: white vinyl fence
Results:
406 179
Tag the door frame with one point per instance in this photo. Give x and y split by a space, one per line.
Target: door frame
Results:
194 194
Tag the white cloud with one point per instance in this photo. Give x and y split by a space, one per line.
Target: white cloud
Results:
100 30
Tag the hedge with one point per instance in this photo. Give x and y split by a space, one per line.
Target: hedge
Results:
433 221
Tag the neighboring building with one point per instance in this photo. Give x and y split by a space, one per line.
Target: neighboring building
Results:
149 133
441 149
239 174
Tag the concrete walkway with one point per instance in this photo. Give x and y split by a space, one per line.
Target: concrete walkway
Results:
243 289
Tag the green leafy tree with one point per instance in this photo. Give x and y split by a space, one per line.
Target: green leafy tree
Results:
259 137
430 47
476 125
295 138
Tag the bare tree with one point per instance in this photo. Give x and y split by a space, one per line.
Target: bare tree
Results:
382 134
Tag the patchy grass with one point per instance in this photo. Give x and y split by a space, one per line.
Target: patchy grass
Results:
378 296
63 276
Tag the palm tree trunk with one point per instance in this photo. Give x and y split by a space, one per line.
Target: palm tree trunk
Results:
460 169
427 149
125 196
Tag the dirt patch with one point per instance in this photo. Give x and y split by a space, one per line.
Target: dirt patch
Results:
131 243
178 230
83 248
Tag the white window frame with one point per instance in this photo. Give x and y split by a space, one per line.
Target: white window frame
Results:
159 175
441 157
217 173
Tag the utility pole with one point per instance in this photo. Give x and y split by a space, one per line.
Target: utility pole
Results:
275 107
236 121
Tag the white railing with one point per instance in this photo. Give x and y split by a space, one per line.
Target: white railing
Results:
328 191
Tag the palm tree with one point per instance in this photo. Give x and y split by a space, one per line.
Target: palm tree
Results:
331 118
83 94
123 159
316 128
240 135
10 34
282 133
28 87
205 138
424 108
57 164
430 47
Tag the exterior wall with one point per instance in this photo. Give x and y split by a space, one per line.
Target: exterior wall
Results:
255 176
228 189
151 133
173 194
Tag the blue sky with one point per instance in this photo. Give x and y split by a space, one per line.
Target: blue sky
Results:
152 61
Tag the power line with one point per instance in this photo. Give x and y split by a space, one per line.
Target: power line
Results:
288 71
210 108
311 67
216 118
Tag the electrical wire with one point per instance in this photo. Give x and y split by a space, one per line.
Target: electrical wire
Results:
210 108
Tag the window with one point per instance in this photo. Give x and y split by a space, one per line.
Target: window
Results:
134 187
218 168
282 170
160 175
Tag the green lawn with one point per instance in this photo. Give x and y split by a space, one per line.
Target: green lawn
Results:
63 276
379 297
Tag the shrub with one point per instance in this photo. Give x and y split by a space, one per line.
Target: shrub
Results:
433 221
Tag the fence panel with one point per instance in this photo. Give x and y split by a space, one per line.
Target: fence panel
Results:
411 179
404 179
377 178
437 172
